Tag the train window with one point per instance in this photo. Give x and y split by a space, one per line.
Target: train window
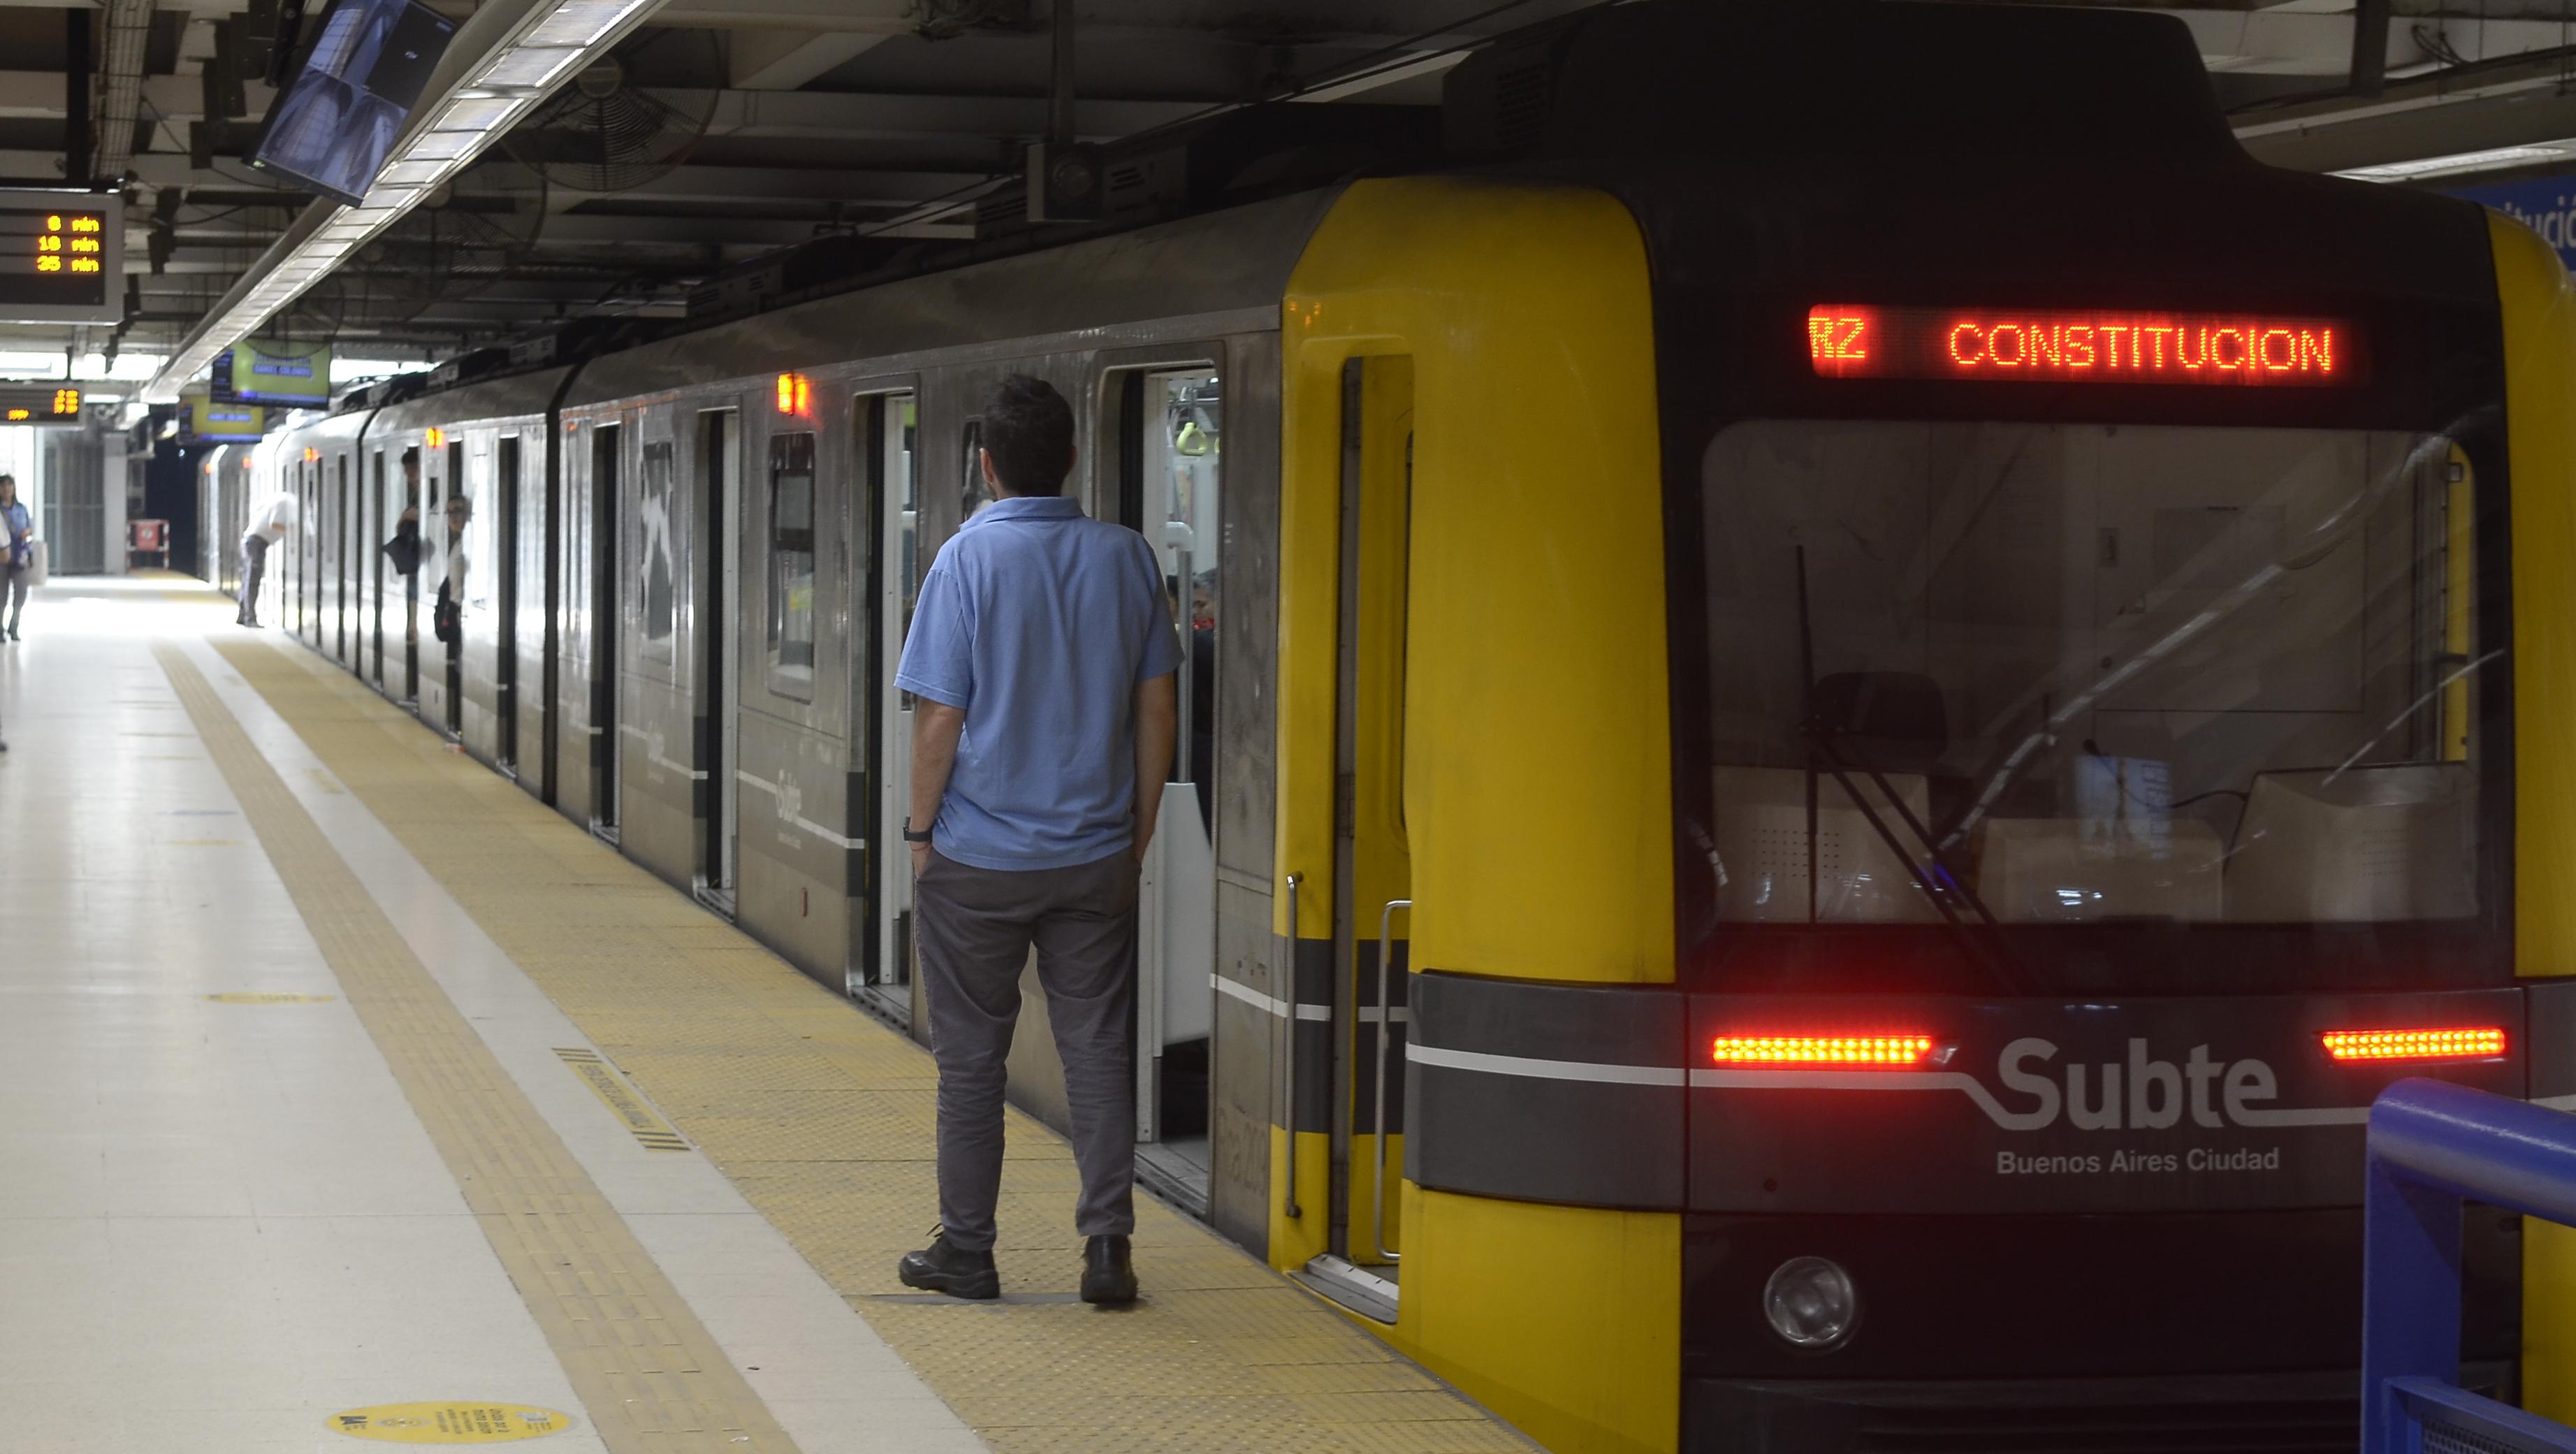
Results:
791 566
900 445
1181 431
659 588
2089 673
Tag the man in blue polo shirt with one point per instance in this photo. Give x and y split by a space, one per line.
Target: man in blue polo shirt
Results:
1042 653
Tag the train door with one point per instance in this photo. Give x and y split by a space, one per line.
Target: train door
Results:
454 656
718 589
380 513
1170 423
892 528
505 564
307 575
344 570
605 620
425 519
1372 868
292 602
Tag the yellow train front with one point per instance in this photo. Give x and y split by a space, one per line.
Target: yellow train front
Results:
1937 679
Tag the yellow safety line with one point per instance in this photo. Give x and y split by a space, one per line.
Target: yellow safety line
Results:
651 1377
824 1119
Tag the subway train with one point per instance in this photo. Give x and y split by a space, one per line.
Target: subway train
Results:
1850 690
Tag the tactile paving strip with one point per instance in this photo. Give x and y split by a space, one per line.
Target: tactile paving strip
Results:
650 1377
820 1117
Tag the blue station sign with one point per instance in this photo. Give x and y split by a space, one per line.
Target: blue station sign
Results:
2546 205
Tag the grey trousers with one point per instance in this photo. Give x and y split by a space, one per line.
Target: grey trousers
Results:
254 565
13 588
975 927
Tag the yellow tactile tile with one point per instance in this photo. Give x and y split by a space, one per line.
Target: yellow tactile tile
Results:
823 1119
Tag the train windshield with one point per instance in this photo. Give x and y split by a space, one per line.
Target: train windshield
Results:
2066 674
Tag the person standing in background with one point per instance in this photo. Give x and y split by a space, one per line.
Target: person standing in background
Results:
17 554
268 525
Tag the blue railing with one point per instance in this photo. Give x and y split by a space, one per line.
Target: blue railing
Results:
2434 1147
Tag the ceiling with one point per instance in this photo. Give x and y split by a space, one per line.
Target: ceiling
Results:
744 126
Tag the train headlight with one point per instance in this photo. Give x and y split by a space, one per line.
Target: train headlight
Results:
1811 1303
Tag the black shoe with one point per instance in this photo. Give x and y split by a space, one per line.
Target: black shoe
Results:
1108 1277
955 1271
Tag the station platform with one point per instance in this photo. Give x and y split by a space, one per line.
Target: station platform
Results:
351 1094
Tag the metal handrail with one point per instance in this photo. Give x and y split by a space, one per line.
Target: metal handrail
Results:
2433 1147
1385 979
1288 1115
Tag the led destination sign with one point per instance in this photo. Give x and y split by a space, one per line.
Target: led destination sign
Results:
39 404
62 258
2060 346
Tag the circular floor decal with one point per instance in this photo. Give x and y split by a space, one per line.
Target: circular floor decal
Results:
450 1423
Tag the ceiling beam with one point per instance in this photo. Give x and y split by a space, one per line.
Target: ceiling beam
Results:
712 184
881 116
782 60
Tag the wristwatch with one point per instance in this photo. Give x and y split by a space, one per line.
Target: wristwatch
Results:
911 837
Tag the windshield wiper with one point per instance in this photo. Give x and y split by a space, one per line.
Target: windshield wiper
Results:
1932 876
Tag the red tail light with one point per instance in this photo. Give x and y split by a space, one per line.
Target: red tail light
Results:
1821 1050
2471 1042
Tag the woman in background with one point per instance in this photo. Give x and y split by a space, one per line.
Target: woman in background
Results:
17 553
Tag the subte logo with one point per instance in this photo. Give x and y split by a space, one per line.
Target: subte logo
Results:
2144 1094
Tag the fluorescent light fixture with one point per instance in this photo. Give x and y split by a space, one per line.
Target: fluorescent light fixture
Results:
580 22
477 114
554 38
2466 161
533 69
439 146
420 173
31 365
128 366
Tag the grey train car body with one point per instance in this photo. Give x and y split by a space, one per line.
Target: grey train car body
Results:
491 447
328 598
769 779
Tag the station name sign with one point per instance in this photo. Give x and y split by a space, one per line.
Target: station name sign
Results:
2074 346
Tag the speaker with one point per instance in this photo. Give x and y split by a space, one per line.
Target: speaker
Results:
1068 183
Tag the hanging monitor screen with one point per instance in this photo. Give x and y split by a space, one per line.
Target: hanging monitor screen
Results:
264 371
39 404
209 420
330 129
62 258
2081 346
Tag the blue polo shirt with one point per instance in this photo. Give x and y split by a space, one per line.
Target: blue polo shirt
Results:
1039 622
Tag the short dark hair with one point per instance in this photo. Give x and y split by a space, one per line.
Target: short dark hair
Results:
1028 430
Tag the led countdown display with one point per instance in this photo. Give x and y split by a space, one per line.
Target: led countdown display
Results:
2076 346
62 258
39 404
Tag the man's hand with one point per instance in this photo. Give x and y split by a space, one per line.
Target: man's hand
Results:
936 726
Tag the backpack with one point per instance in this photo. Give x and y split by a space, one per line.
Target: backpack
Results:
444 622
404 549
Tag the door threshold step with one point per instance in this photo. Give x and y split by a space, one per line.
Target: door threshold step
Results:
1174 1178
1357 1288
